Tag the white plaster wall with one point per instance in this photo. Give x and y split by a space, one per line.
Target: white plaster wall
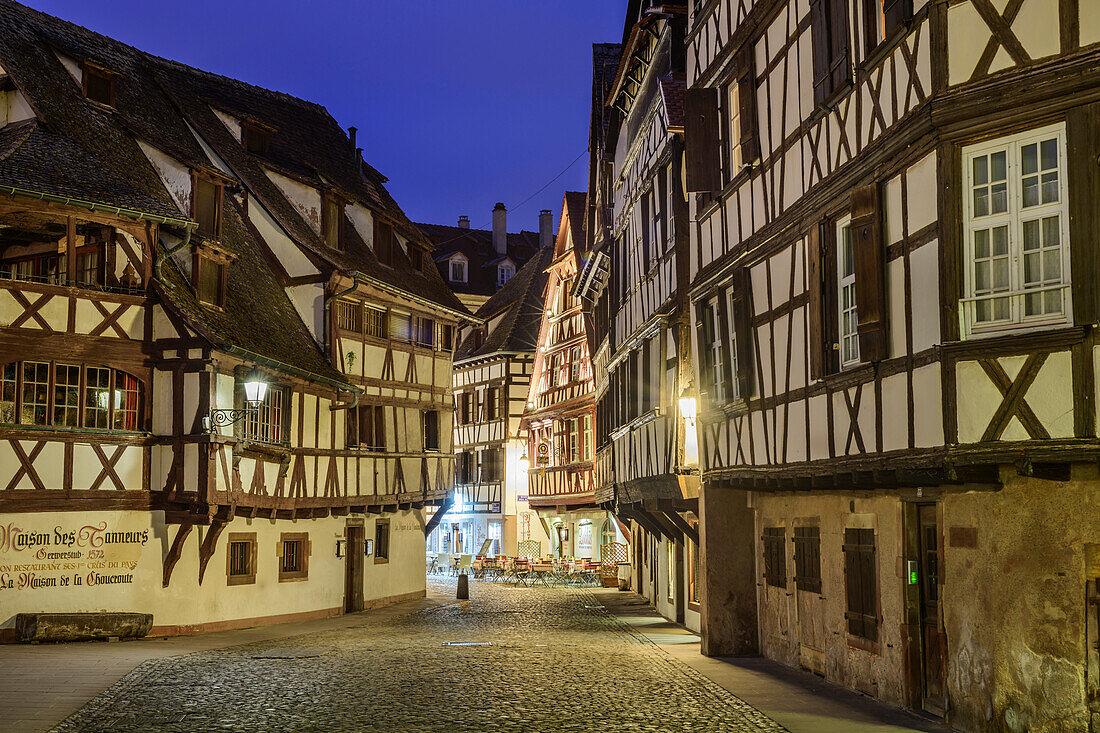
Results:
231 123
71 66
305 199
185 602
175 175
14 107
363 221
282 246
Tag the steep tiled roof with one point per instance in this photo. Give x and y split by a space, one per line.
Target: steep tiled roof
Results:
77 148
519 306
477 246
574 209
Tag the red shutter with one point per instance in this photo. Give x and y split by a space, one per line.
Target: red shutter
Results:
897 12
701 140
869 258
741 303
819 24
816 277
746 95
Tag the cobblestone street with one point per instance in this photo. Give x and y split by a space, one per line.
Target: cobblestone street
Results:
557 661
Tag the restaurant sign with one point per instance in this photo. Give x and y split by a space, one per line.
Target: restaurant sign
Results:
68 556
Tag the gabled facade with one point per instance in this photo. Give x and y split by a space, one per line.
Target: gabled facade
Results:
168 234
559 417
648 457
492 380
893 271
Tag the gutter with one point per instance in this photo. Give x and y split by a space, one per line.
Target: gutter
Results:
95 206
368 280
281 366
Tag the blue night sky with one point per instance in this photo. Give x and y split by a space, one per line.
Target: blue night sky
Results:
459 104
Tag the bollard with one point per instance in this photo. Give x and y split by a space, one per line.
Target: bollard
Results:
463 587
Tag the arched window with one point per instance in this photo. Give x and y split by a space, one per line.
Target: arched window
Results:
69 396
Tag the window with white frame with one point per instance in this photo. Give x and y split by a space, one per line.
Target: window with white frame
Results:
733 131
715 348
458 271
504 274
735 387
847 318
1016 232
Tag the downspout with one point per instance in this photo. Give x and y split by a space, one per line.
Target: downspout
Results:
327 326
247 355
158 273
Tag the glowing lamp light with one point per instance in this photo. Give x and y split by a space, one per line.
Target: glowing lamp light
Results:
255 388
524 463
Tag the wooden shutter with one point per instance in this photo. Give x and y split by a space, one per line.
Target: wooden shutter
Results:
1083 147
746 97
701 140
838 43
741 304
897 12
819 25
852 577
869 258
815 274
723 327
379 426
706 363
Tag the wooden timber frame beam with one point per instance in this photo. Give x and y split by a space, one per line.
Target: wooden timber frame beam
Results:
438 516
667 509
206 551
175 551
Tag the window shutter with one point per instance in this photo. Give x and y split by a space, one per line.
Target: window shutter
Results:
868 586
706 363
839 54
816 275
746 95
1083 149
819 25
724 328
742 323
897 12
701 140
852 588
870 268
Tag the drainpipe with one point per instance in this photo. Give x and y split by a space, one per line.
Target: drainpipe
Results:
158 272
327 325
247 355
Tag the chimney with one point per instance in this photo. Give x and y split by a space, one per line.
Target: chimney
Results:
351 135
463 222
546 228
500 229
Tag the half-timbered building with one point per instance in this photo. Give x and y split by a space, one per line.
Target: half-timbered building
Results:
647 462
169 239
492 379
894 280
559 416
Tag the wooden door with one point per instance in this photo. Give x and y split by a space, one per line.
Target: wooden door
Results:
932 640
353 571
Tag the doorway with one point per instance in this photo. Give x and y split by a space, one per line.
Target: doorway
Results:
932 640
353 570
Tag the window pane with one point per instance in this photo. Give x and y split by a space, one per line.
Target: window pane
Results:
126 401
210 281
66 395
998 198
97 398
206 206
36 398
981 170
98 87
7 394
1029 154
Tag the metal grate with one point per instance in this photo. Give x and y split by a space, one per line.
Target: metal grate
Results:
467 643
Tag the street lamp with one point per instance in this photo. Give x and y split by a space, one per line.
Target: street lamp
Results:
689 411
688 406
255 389
524 462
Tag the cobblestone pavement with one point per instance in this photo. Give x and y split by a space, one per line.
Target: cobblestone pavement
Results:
557 662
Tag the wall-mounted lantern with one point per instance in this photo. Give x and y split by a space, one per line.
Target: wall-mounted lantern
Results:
255 389
341 548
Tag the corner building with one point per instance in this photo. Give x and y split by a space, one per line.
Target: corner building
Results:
893 275
168 235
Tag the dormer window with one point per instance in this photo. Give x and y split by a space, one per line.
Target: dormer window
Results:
383 241
505 273
254 139
99 85
206 204
458 271
210 275
332 221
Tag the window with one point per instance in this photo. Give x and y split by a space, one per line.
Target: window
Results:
431 430
775 557
99 85
1016 231
206 205
847 315
807 558
733 131
446 337
416 257
714 350
458 271
464 408
881 18
366 427
671 575
240 558
349 316
210 279
375 323
254 139
830 44
572 433
492 464
267 424
861 583
575 364
693 569
504 274
381 540
587 438
401 327
464 468
495 534
383 241
294 550
51 267
425 331
48 394
332 222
